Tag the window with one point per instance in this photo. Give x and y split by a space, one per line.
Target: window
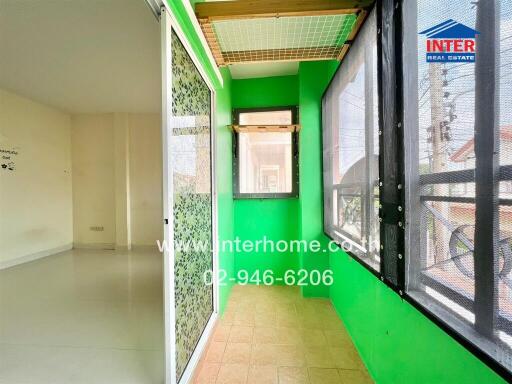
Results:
459 153
442 190
266 153
351 150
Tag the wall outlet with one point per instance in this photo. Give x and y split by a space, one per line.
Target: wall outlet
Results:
97 229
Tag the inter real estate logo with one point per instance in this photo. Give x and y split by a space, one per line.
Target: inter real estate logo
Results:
450 42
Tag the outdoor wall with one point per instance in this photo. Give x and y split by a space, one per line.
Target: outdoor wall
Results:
35 197
117 180
277 219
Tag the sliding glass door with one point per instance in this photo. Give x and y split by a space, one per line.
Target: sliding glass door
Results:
187 104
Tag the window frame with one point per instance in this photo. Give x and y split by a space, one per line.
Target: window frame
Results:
398 192
476 337
367 191
294 153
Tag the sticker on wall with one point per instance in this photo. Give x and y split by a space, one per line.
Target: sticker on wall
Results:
7 159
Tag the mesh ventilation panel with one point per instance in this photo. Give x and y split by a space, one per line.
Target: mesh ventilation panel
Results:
284 38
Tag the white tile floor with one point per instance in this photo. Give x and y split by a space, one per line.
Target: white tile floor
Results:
83 316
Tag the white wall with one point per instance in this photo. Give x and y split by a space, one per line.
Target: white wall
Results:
93 180
117 179
145 178
73 173
35 198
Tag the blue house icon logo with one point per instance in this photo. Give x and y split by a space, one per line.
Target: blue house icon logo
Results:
450 42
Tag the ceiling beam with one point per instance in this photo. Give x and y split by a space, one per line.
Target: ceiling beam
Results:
246 9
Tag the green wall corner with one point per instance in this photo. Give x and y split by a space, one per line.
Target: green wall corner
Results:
224 176
314 78
273 219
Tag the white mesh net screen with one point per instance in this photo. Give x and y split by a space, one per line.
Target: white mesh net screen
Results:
284 38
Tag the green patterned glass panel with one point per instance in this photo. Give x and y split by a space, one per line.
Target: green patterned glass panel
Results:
190 162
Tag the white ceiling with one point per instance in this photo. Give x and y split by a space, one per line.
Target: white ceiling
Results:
82 56
246 71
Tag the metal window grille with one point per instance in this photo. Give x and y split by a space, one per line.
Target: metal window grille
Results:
459 153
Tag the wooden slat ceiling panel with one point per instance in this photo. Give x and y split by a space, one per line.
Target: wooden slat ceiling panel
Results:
209 12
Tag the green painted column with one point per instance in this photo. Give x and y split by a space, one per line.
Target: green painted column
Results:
313 80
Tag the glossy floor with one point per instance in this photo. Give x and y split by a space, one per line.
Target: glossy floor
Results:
272 335
83 316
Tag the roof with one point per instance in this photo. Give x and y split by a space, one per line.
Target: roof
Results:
469 147
450 29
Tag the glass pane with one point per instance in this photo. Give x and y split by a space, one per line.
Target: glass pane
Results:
351 150
190 166
265 162
266 118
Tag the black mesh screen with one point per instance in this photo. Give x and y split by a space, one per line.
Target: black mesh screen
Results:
391 259
350 150
459 150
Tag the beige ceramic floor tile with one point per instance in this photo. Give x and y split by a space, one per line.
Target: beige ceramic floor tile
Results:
221 333
265 335
227 318
265 319
266 374
319 357
237 353
291 356
354 377
207 373
314 346
313 338
346 358
337 338
215 352
241 334
265 307
290 336
233 374
245 319
264 354
288 321
324 376
293 375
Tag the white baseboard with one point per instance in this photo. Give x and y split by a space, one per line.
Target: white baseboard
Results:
34 256
107 246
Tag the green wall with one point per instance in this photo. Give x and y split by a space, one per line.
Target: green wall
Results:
314 77
277 219
397 343
223 143
224 177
